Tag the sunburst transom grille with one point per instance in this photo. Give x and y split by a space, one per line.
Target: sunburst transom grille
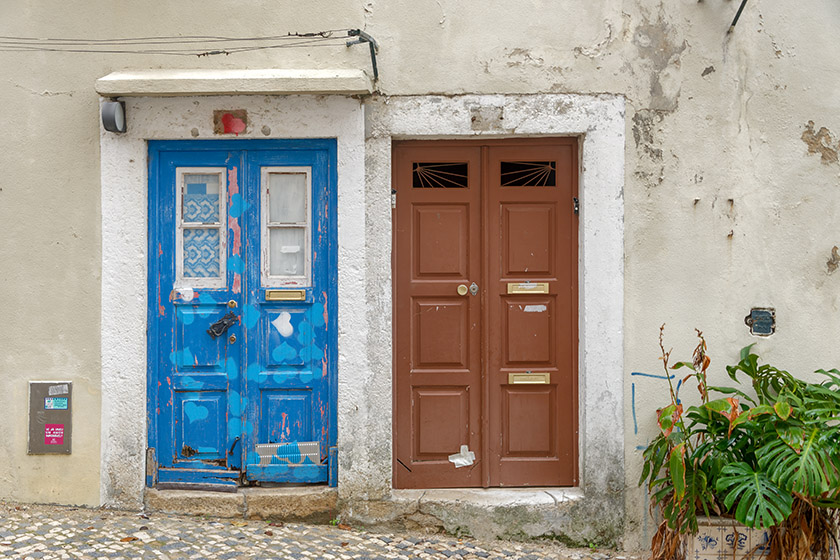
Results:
440 175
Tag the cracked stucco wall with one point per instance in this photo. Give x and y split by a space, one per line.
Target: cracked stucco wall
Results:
731 190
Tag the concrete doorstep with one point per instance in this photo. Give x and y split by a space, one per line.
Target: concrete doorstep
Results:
310 504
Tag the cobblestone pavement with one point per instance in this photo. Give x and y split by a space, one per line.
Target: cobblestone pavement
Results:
35 531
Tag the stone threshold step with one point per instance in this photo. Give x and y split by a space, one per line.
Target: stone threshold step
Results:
311 504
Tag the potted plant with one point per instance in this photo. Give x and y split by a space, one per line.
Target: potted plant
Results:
767 455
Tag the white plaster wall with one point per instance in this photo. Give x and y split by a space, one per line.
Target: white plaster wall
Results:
709 116
124 262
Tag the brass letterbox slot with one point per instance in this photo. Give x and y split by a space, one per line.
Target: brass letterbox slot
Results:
527 287
285 295
529 378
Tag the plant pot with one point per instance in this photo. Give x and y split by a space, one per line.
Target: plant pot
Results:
719 538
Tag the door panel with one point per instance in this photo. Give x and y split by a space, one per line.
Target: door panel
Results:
242 346
438 361
497 370
532 234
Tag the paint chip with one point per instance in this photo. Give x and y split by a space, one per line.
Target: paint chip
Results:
534 308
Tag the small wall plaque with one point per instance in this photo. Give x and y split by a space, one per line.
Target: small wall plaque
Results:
50 417
761 321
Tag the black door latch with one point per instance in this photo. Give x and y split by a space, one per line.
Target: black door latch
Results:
222 325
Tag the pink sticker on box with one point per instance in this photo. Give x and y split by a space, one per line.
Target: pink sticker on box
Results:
54 434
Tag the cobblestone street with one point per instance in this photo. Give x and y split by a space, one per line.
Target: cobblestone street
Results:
47 532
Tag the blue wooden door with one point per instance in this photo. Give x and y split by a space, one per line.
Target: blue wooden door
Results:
242 311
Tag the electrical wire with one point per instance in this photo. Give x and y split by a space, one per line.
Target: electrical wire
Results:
220 44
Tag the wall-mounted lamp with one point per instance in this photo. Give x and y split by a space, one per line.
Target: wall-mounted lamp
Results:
113 116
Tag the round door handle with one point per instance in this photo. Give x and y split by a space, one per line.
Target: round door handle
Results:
462 290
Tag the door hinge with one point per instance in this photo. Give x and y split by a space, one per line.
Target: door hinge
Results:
393 198
576 206
151 462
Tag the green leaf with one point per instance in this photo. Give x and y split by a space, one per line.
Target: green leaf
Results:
745 351
679 365
792 436
783 409
677 468
760 503
809 471
732 391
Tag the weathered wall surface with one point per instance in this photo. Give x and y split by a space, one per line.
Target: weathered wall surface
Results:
731 174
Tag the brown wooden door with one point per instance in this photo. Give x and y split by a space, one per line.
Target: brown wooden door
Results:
494 369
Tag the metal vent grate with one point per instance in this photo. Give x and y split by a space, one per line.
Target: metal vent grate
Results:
289 453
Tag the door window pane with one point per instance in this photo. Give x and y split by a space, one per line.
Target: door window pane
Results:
201 218
287 251
201 198
201 252
287 198
286 226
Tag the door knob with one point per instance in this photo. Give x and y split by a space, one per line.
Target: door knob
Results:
462 290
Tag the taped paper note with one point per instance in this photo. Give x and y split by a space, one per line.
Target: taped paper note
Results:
463 459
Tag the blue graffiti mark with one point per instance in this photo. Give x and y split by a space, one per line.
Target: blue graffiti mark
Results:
633 406
252 372
672 376
206 299
236 403
184 317
195 412
283 353
181 358
317 316
304 332
231 369
641 447
679 384
236 264
238 205
250 316
192 383
289 452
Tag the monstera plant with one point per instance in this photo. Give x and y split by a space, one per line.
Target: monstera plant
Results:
767 454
